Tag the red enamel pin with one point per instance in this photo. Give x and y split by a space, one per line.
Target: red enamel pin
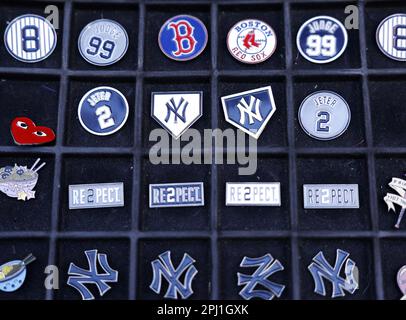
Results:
26 132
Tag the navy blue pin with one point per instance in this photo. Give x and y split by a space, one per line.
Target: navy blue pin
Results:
103 111
322 39
182 37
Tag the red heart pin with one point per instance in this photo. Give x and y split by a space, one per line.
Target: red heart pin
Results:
25 132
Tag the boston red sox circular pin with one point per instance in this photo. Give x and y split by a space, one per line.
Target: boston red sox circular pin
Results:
182 37
322 39
251 41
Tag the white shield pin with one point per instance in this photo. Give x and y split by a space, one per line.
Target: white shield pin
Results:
176 111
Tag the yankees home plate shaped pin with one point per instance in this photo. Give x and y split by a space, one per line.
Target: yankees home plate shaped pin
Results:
250 110
30 38
322 39
251 41
391 36
176 111
103 111
103 42
182 37
324 115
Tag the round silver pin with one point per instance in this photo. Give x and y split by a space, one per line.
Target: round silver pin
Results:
391 36
324 115
30 38
103 42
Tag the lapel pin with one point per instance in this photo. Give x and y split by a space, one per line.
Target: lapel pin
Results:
19 181
26 132
188 194
322 39
99 195
399 185
79 277
253 194
251 41
176 111
324 115
103 42
257 284
30 38
330 196
321 270
391 36
402 281
103 111
179 278
182 37
250 110
13 273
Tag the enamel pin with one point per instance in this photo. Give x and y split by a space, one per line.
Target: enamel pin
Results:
401 278
321 270
99 195
176 111
19 182
324 115
253 194
13 273
330 196
322 39
103 111
182 37
103 42
25 132
179 278
79 278
399 185
30 38
391 36
188 194
250 110
251 41
257 284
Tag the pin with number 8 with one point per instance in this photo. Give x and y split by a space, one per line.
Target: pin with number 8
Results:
103 42
322 39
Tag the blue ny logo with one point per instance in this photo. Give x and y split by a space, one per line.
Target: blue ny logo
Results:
250 110
175 109
321 269
267 266
80 277
164 267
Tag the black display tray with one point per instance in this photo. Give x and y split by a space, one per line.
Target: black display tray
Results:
370 153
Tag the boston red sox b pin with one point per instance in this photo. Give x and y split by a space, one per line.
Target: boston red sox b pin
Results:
182 37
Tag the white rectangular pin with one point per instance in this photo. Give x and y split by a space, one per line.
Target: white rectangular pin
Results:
253 194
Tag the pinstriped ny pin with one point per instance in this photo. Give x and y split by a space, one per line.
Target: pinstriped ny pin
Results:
30 38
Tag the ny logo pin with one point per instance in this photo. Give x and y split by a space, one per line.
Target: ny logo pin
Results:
321 270
163 267
176 111
267 266
250 110
399 185
19 181
79 277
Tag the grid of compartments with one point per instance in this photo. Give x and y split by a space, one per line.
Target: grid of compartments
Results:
217 237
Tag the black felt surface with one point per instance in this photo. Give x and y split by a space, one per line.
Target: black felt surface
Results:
369 153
